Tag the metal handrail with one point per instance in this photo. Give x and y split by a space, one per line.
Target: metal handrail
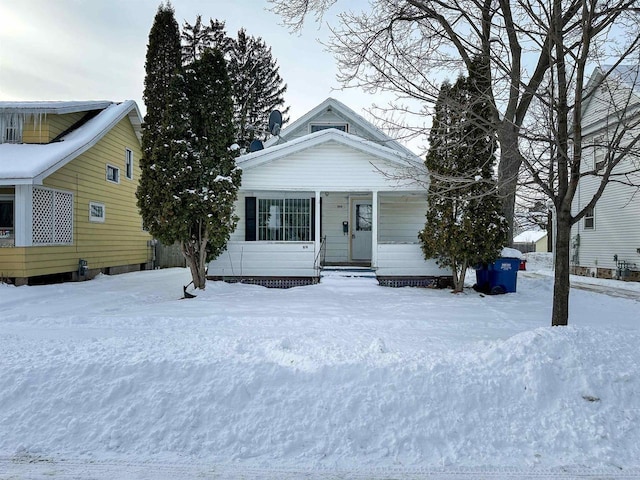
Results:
319 260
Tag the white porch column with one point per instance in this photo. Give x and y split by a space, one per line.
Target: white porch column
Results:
374 229
23 218
317 240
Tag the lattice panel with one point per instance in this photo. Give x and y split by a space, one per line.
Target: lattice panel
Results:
42 216
63 217
52 216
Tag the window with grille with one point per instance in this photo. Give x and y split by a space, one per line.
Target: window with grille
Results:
52 217
287 220
97 212
113 174
128 162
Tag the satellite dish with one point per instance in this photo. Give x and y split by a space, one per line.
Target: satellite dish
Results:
255 145
275 122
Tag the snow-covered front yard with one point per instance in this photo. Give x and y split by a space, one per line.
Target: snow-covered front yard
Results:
119 378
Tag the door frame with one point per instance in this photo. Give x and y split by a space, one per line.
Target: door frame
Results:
353 200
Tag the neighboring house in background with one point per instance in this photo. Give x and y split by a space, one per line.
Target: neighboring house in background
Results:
68 177
531 241
606 242
329 190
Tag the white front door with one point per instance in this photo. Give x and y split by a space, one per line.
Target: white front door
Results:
361 222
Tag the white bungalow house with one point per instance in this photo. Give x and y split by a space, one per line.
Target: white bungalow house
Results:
606 242
329 190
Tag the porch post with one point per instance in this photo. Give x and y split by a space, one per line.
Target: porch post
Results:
317 239
374 229
23 221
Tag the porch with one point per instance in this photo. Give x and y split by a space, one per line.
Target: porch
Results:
376 230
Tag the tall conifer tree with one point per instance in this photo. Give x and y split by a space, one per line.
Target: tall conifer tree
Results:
258 88
464 225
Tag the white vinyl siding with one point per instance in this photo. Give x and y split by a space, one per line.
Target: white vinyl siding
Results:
265 259
401 218
329 166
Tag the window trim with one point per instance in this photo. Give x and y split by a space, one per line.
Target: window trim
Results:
94 218
591 217
116 169
128 163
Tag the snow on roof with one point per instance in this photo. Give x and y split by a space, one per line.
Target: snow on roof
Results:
307 141
30 163
346 112
54 107
530 236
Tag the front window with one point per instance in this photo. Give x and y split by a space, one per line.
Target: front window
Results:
589 220
288 219
6 217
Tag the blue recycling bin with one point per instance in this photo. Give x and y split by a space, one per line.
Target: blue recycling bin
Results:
497 277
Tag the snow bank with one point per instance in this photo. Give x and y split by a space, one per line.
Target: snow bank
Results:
344 374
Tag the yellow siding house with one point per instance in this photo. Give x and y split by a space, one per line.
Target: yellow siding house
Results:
68 177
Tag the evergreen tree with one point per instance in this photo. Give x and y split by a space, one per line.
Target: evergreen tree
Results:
464 225
162 65
196 39
199 159
258 88
162 62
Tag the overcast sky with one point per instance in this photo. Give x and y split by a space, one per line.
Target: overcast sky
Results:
95 49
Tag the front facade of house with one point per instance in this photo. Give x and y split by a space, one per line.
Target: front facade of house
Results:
330 190
68 176
606 242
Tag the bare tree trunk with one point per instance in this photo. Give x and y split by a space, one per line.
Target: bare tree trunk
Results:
459 274
508 169
561 286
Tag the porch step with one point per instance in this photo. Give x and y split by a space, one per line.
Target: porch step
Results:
348 271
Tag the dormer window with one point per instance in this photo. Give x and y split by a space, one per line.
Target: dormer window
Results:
316 127
11 128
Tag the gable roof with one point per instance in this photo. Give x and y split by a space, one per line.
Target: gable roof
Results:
331 104
255 159
30 163
530 236
628 75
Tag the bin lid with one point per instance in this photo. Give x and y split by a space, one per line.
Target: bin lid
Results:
511 253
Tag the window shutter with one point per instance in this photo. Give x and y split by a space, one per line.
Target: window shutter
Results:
250 219
313 219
